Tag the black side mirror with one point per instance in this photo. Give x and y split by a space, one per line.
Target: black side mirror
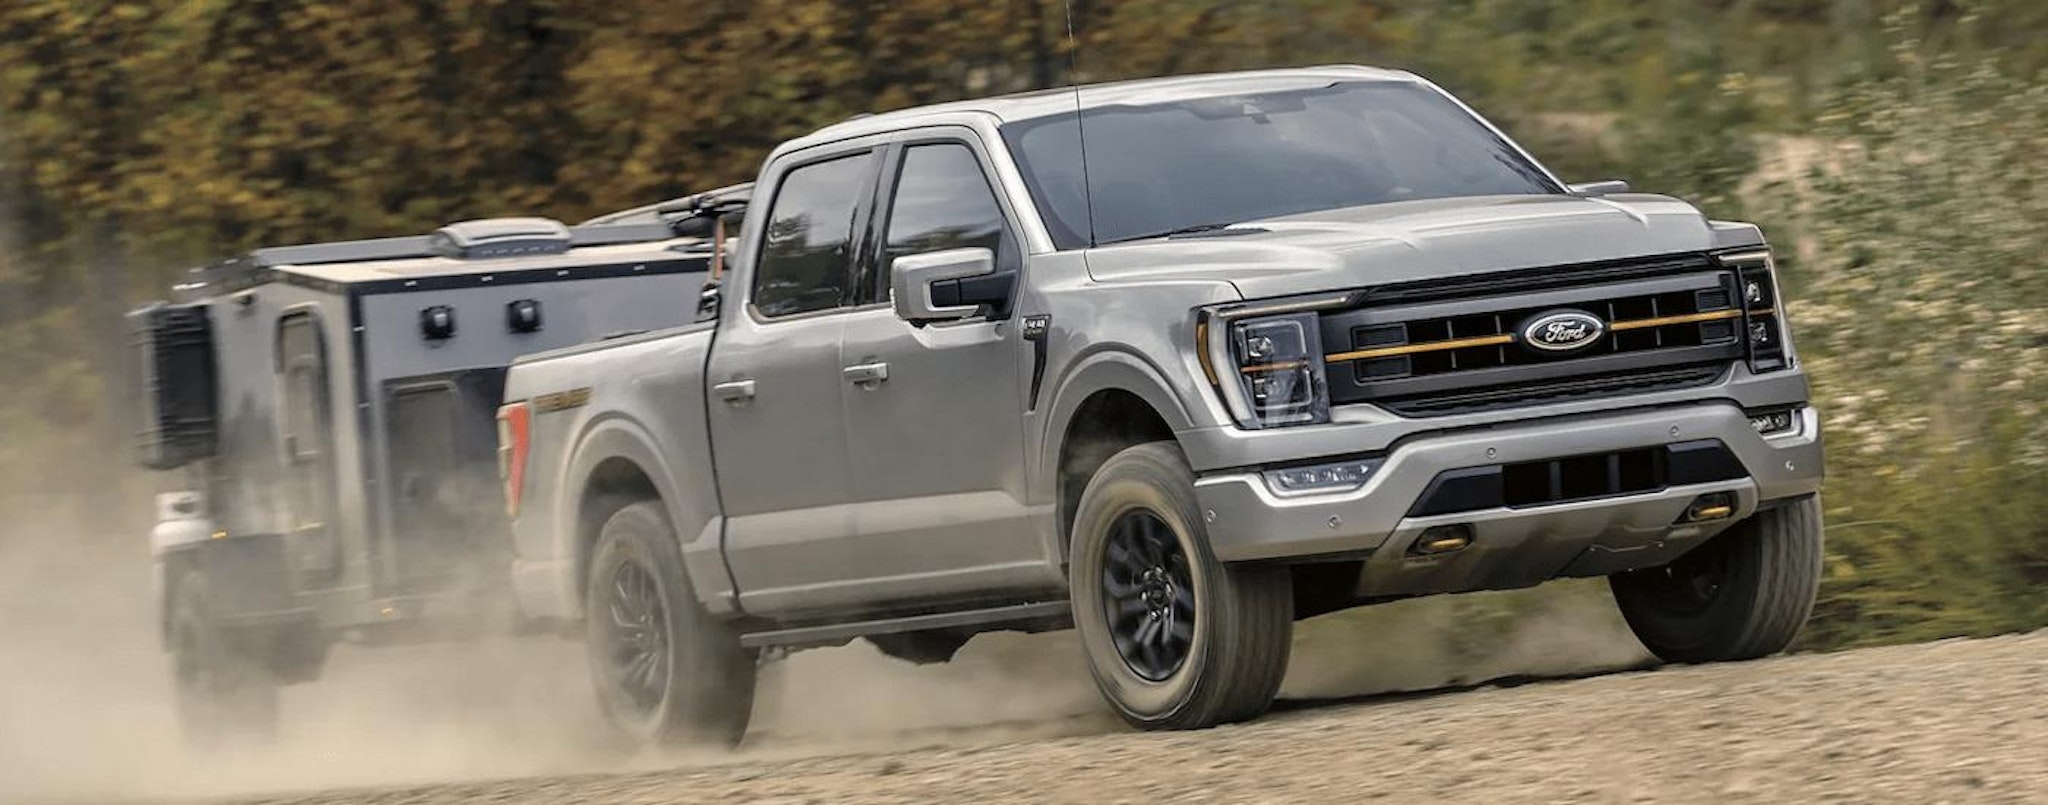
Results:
926 288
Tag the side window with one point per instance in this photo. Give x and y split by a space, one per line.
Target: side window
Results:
944 202
806 255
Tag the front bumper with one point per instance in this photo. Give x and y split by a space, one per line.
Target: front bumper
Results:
1515 545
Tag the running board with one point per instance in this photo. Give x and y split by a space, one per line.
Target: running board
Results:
1043 616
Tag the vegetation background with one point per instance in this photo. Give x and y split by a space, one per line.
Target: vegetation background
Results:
1891 148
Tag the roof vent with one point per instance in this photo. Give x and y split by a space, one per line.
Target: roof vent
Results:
500 237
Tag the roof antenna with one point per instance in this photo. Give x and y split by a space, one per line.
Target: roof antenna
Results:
1080 125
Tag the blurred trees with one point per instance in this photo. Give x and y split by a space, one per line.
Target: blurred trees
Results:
1922 266
137 138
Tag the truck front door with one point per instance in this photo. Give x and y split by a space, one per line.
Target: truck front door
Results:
934 414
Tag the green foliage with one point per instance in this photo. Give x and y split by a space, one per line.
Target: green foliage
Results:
1922 263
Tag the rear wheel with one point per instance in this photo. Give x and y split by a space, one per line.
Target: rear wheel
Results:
666 672
1174 638
225 693
1742 595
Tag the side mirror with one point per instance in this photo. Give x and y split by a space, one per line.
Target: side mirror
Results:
911 281
1590 189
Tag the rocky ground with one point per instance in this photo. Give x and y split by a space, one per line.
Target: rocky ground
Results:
1955 721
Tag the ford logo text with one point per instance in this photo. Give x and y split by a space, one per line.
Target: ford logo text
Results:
1562 331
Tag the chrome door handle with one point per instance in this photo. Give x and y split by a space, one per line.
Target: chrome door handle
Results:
866 374
737 391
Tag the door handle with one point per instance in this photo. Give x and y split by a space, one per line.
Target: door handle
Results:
866 374
736 391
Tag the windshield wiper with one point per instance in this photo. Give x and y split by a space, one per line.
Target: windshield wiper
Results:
1186 230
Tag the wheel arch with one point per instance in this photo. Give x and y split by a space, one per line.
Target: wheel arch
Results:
1111 400
615 464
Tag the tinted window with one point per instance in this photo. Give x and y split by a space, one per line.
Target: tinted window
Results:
943 202
805 255
1212 161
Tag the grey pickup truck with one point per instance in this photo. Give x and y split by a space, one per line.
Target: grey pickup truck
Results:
1173 363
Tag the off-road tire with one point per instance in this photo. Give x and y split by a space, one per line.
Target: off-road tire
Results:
1765 573
704 691
1242 617
225 695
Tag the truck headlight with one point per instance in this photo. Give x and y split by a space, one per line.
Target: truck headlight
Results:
1275 368
1764 330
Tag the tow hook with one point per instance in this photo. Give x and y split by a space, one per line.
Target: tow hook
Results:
1442 539
1710 506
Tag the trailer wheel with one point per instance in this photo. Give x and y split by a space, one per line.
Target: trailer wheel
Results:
1175 639
667 673
225 695
1742 595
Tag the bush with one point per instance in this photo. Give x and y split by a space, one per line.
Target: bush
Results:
1919 267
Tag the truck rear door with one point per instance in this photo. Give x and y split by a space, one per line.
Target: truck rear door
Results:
777 419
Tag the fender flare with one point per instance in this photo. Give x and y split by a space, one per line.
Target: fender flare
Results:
604 438
1104 369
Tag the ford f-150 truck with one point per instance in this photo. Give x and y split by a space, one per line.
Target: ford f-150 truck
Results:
1175 363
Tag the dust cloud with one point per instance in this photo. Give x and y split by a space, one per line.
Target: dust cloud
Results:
1564 628
86 715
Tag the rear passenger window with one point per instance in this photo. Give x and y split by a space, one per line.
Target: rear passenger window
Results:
805 256
944 202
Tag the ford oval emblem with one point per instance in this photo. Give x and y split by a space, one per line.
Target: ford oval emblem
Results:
1563 331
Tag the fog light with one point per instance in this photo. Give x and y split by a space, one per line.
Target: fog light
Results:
1442 539
1338 477
1772 422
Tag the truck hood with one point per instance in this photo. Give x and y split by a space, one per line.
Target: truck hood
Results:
1390 243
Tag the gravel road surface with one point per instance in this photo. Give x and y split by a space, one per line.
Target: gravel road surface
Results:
1957 721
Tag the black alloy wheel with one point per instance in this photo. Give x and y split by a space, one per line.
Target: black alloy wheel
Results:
1149 596
637 637
1689 584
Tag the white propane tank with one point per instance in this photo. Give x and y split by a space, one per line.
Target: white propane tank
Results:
180 521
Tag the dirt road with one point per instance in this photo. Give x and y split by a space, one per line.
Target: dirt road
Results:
1960 721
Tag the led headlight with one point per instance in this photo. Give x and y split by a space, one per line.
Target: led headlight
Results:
1771 423
1277 364
1763 317
1340 477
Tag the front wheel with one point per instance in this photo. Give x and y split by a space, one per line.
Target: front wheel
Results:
1742 595
667 673
1174 638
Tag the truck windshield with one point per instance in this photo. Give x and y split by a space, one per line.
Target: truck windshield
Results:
1198 164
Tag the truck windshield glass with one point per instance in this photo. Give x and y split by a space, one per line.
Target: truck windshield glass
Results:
1189 165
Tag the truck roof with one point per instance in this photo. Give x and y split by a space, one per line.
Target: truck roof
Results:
1136 92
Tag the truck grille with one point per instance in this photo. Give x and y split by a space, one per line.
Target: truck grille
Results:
1676 324
1578 388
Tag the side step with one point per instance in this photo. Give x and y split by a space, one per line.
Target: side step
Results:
1043 616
